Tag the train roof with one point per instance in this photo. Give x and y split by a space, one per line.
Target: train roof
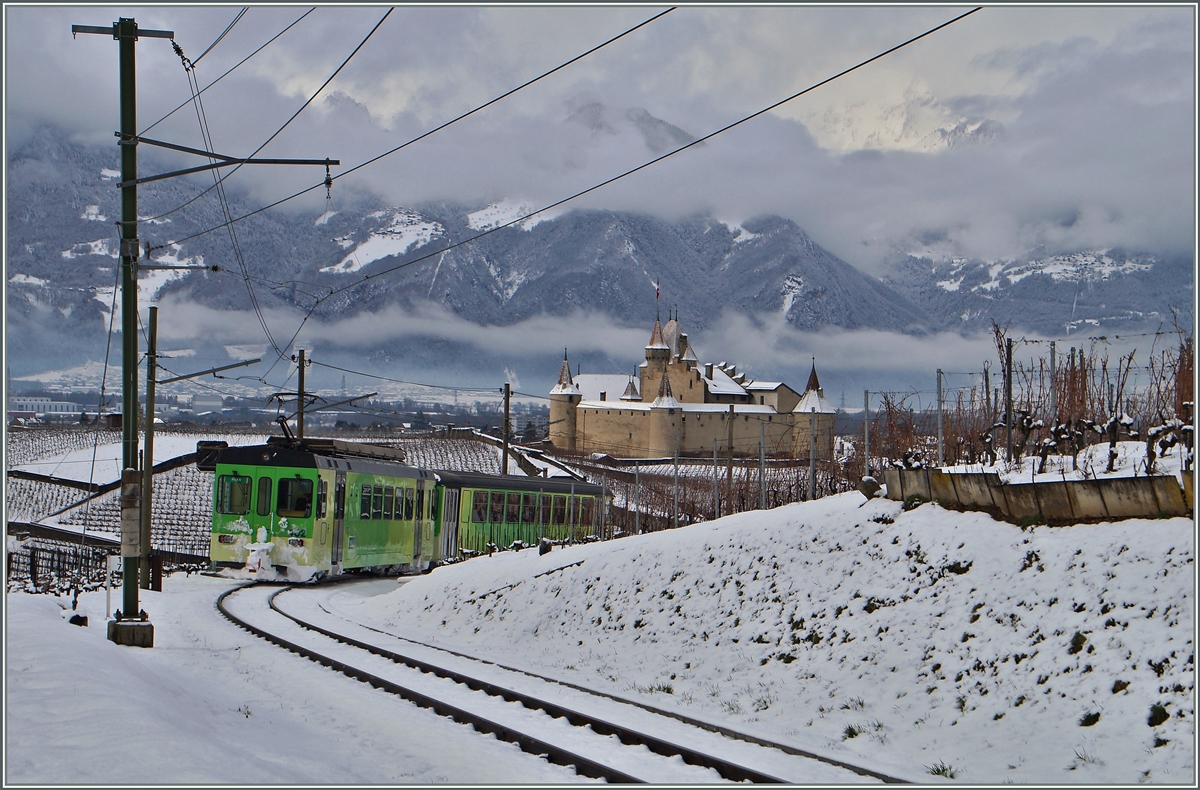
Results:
517 483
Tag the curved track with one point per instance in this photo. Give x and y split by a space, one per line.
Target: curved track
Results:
359 656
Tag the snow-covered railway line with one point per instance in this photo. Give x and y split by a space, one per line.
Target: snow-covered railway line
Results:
537 712
537 727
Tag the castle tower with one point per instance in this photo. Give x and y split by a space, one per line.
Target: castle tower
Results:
666 422
564 398
658 355
804 419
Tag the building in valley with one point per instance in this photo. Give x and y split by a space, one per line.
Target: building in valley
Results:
675 404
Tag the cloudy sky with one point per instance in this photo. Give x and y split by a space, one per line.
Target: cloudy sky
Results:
1064 126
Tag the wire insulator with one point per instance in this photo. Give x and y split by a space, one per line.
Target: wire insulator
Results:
328 184
187 64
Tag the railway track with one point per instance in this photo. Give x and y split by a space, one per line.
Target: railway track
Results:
599 735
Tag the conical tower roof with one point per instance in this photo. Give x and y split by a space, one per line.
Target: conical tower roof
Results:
631 390
656 336
814 384
566 385
665 399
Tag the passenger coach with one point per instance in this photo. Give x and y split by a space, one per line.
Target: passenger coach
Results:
323 507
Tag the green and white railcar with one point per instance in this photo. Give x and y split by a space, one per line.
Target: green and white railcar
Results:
306 509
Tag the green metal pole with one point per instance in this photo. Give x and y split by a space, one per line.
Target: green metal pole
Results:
127 38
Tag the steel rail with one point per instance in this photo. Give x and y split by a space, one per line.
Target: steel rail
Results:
727 769
528 743
714 728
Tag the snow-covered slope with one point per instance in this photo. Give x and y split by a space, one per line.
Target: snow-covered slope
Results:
913 641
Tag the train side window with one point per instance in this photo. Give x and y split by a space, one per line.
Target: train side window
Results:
339 500
263 507
233 495
497 511
409 494
322 495
479 507
364 508
529 508
420 503
560 511
389 503
572 510
545 509
433 504
294 498
513 512
587 511
377 503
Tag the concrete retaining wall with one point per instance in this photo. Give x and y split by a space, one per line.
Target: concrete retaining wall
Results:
1105 498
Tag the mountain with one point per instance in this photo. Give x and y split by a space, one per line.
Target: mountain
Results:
1090 292
367 257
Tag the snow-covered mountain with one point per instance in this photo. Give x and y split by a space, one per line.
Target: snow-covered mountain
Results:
362 255
1088 292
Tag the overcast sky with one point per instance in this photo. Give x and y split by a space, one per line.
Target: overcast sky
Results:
1079 127
1085 114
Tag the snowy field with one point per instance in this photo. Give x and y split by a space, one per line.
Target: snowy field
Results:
908 642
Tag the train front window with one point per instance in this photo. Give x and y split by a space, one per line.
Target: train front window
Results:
233 495
479 504
294 498
263 507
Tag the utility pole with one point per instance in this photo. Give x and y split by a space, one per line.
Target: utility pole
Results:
1053 388
148 451
729 465
1008 404
716 492
941 450
867 430
637 498
676 507
504 430
812 454
126 32
300 395
762 465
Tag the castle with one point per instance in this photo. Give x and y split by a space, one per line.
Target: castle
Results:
693 406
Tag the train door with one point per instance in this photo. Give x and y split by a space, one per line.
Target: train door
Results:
418 516
449 516
339 522
262 514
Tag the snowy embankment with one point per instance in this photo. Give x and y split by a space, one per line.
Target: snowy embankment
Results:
923 643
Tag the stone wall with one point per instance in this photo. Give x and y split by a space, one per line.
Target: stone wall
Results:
1052 502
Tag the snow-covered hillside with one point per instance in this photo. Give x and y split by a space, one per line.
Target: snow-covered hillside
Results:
914 642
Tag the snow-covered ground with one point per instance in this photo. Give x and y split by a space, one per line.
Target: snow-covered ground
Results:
900 640
211 704
909 642
1090 464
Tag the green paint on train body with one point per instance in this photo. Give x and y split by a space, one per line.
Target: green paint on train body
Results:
309 514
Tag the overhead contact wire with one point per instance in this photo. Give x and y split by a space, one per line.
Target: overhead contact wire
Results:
436 129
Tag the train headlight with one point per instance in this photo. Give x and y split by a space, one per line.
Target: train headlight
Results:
296 542
226 539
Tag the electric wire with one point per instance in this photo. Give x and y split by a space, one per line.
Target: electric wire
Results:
225 32
399 381
435 129
368 277
223 76
304 106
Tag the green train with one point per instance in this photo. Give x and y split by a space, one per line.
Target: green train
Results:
303 510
